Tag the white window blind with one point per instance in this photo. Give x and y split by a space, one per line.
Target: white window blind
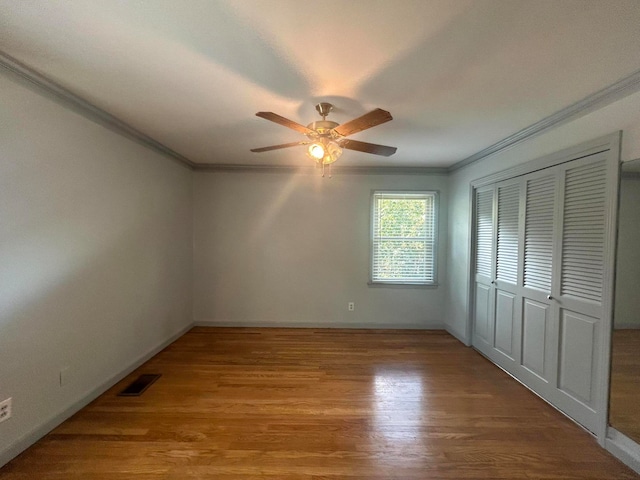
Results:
404 237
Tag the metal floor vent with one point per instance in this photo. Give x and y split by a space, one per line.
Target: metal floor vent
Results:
139 385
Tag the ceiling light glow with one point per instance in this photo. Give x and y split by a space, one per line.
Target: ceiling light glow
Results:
316 151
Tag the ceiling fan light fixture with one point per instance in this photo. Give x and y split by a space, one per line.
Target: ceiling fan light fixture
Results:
324 151
333 153
316 151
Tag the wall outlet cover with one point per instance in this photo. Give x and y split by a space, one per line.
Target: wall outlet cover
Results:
5 409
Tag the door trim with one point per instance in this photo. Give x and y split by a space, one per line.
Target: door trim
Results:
605 143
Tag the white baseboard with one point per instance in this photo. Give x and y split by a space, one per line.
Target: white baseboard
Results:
338 325
460 336
623 448
40 431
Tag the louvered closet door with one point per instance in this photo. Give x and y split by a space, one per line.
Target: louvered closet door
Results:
541 243
578 291
537 358
497 314
506 300
484 267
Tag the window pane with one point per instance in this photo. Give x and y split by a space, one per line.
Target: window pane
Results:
402 218
403 237
399 259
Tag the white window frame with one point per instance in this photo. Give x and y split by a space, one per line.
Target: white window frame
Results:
404 283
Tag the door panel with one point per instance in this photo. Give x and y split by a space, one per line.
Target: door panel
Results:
539 232
505 316
534 334
577 355
484 267
584 229
508 271
507 233
482 312
484 235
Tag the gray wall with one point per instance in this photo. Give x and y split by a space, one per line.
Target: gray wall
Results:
95 258
293 249
621 115
627 302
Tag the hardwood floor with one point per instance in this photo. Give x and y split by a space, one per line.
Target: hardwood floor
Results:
318 404
624 410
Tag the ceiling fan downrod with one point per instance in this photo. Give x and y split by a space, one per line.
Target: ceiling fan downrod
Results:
323 109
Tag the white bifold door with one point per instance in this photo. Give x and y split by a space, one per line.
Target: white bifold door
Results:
540 251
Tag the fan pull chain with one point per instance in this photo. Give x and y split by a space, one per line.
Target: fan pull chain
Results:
330 171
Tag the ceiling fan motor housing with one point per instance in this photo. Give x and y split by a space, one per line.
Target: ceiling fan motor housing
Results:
322 127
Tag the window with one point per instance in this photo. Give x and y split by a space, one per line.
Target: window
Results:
403 232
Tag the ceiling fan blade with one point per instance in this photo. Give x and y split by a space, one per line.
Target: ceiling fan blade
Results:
276 147
274 117
368 147
368 120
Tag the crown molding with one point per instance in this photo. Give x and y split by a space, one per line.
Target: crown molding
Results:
68 99
616 91
392 170
311 170
72 101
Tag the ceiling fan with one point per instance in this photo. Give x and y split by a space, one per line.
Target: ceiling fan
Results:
326 139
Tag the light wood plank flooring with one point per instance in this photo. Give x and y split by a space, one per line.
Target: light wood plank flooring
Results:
319 404
624 411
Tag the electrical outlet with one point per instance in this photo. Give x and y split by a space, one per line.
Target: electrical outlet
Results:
5 410
351 307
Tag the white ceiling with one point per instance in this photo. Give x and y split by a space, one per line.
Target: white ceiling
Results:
457 75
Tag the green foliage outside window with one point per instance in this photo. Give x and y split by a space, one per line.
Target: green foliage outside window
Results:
403 240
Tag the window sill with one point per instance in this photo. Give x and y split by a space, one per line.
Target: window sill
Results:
402 285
